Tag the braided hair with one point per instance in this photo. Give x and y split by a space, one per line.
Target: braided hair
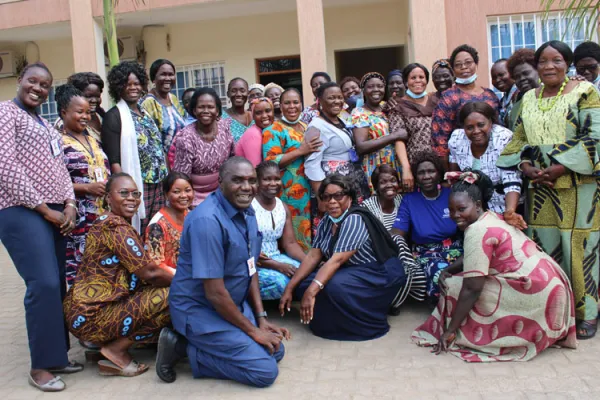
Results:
481 190
64 94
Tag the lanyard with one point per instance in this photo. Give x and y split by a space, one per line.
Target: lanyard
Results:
340 125
89 147
37 116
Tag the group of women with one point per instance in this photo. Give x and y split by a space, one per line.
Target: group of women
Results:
376 192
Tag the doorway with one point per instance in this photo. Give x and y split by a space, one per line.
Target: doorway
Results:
359 62
284 71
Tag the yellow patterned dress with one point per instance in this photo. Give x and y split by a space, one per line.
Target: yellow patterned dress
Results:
564 220
108 300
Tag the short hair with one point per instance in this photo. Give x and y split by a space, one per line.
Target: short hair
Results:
230 163
119 74
64 94
342 181
82 80
466 48
186 91
321 90
111 181
410 68
201 92
286 91
236 79
348 79
519 57
382 169
564 50
322 75
427 156
586 49
35 65
482 190
156 66
480 107
500 60
169 181
264 166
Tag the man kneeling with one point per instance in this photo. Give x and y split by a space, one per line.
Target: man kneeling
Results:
215 299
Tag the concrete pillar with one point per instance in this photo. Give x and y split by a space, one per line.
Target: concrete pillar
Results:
311 31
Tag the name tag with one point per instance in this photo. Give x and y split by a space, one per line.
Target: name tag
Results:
99 174
251 266
55 147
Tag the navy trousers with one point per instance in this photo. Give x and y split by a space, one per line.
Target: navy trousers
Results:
37 249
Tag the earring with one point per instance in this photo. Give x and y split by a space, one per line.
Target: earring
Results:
439 187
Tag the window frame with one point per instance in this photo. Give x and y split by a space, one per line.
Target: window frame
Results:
189 71
48 116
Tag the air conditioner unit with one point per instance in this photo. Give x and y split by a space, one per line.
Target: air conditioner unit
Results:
7 64
127 49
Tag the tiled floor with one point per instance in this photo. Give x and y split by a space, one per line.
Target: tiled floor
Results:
313 368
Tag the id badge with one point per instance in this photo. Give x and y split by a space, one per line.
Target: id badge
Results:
99 174
353 156
251 266
55 146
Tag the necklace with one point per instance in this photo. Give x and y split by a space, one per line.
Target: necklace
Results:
554 100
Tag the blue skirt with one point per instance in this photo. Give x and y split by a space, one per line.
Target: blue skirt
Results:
354 304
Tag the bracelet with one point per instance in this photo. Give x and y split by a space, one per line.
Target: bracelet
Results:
521 163
319 284
70 205
262 314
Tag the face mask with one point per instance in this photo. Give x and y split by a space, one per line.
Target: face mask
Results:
466 81
360 102
291 122
337 220
416 96
596 80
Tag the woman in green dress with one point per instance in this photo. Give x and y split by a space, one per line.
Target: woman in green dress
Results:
555 145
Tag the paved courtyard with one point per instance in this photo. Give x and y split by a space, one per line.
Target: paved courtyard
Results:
314 368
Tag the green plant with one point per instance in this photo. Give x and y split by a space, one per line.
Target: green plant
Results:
575 12
110 29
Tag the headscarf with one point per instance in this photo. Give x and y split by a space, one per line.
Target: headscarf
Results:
394 72
271 86
371 75
256 86
258 100
442 63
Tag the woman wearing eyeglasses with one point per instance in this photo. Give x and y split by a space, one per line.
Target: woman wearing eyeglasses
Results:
348 296
120 295
586 58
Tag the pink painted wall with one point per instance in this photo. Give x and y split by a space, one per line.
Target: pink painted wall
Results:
33 12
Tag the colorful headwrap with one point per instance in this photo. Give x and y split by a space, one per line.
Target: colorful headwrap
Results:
271 86
458 176
256 86
371 75
442 63
258 100
394 72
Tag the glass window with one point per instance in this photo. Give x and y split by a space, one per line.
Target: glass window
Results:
48 109
198 75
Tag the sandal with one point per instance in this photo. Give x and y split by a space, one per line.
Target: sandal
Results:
55 384
589 328
108 368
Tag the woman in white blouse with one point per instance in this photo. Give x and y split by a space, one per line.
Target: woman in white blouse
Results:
477 146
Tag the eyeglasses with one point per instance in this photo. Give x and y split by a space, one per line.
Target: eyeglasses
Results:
126 193
583 68
326 197
466 64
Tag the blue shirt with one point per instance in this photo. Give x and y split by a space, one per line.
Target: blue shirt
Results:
216 243
427 221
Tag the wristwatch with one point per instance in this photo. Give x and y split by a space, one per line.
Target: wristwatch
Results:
261 315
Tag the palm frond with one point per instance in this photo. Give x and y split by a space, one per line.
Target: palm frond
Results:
578 14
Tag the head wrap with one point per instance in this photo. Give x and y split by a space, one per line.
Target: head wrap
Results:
371 75
394 72
258 100
256 86
271 86
458 176
442 63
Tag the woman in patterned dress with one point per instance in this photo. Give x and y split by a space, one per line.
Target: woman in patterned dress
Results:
283 142
509 300
120 295
88 167
374 141
164 231
237 116
275 224
202 147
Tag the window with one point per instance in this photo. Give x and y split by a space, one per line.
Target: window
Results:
199 75
48 109
509 33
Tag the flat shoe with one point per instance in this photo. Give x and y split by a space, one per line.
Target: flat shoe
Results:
108 368
590 329
55 384
71 368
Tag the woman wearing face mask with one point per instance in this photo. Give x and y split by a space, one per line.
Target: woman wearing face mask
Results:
274 220
350 87
464 61
88 167
509 300
250 145
162 105
347 297
202 147
555 147
92 86
412 114
442 76
237 91
164 231
477 145
318 79
283 142
374 141
37 209
521 67
273 92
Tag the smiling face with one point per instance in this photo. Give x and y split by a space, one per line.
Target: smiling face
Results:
552 67
133 90
588 68
238 93
164 79
464 65
387 186
427 176
316 82
478 129
526 77
263 114
206 110
122 197
34 87
332 101
291 105
269 183
417 81
93 95
396 85
336 200
374 91
274 94
463 210
77 115
350 89
181 195
239 185
442 79
254 94
501 79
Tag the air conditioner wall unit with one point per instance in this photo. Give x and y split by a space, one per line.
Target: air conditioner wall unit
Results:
127 49
8 66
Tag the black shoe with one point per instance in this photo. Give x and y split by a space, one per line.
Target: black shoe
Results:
71 368
167 356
